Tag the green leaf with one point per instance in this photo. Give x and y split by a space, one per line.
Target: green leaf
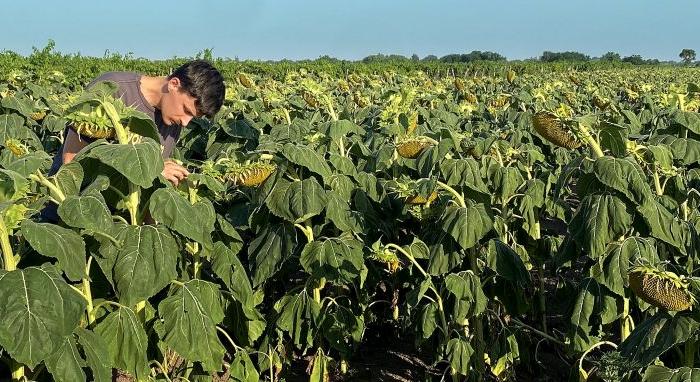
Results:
243 369
321 369
506 181
88 212
686 151
297 314
459 353
126 341
688 119
190 317
334 258
96 355
654 336
463 172
580 331
665 226
297 201
445 255
600 219
167 206
10 125
467 225
503 260
140 163
624 176
69 178
143 265
66 363
428 319
308 158
338 211
229 268
60 243
30 163
655 373
37 311
612 269
269 249
613 137
466 287
344 165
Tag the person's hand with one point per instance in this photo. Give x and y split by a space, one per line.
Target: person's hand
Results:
174 172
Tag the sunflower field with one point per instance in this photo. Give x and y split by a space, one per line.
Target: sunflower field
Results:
505 222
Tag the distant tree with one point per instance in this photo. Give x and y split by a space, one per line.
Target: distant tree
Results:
687 55
415 57
611 56
430 57
634 59
548 56
474 55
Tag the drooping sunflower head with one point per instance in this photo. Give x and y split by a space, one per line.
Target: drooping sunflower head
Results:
551 128
91 121
16 147
411 147
249 174
663 289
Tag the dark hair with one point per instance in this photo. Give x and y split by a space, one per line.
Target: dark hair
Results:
203 82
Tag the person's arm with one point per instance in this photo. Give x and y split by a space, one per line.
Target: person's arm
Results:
72 145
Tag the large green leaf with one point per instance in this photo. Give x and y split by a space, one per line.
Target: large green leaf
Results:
143 265
334 258
503 260
339 212
686 151
459 353
308 158
190 317
140 163
655 373
69 178
38 310
625 176
243 369
585 305
463 172
60 243
96 355
10 125
612 269
467 225
66 364
600 219
229 268
297 201
126 341
665 226
273 244
466 287
656 335
297 315
167 206
89 212
688 119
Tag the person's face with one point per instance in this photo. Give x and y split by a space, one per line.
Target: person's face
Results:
177 106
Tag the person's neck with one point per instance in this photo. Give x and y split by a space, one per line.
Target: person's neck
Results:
152 89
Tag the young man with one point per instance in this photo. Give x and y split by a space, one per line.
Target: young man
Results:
195 89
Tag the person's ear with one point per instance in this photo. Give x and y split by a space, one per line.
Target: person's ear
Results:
173 84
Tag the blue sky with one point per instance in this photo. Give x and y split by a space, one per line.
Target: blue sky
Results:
352 29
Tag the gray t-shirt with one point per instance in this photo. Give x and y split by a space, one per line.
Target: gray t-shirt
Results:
129 90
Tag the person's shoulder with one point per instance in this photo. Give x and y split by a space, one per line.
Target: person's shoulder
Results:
117 77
